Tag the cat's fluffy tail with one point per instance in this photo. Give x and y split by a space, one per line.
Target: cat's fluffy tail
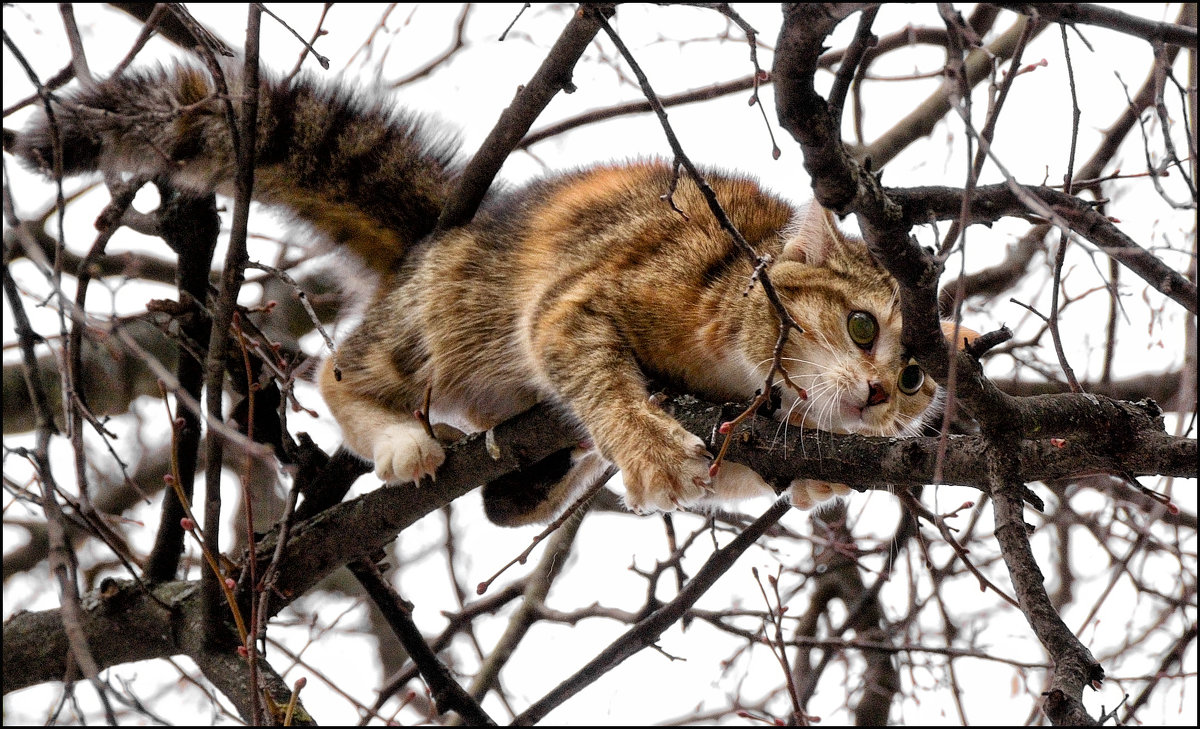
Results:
360 172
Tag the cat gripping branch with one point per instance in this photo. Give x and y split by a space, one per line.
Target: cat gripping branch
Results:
578 288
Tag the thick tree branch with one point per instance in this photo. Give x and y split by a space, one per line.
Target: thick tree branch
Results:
992 202
121 624
1110 18
886 217
366 524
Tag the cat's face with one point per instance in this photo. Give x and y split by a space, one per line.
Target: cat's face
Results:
849 360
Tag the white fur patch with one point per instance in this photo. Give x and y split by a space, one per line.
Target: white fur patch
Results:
807 493
404 452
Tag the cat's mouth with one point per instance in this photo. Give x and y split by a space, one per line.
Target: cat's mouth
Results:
844 416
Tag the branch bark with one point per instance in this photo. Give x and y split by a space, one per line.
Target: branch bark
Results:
886 217
366 524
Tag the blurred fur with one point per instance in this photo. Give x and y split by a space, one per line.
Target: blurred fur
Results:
578 289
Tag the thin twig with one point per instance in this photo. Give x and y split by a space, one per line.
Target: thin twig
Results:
1064 240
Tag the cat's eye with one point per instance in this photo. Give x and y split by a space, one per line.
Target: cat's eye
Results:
911 379
862 328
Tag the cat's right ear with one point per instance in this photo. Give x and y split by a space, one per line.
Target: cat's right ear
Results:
813 237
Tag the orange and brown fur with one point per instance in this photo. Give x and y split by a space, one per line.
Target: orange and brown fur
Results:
577 289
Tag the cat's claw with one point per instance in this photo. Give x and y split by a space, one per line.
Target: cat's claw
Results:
404 452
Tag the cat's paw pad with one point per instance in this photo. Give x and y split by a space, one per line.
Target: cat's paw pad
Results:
807 493
404 452
667 475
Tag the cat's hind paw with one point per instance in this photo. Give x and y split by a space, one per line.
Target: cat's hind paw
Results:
807 493
669 476
734 482
404 452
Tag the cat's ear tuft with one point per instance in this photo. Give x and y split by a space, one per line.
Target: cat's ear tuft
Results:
813 238
965 336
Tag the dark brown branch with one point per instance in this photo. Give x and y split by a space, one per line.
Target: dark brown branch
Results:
1103 17
361 526
647 632
1160 387
171 27
243 125
992 202
552 76
122 624
886 217
863 40
447 694
368 523
1074 666
190 227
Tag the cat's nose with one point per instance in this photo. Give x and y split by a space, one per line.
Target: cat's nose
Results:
876 395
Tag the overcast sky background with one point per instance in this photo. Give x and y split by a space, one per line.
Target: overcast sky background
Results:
469 94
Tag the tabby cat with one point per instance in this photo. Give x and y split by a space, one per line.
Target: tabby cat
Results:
576 289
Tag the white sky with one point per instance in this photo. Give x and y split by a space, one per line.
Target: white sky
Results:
470 94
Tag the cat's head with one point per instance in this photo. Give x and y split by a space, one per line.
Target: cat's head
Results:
849 360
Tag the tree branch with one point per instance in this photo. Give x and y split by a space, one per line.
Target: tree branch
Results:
1089 14
552 76
366 524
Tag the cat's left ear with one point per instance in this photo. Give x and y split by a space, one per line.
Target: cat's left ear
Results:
965 336
813 238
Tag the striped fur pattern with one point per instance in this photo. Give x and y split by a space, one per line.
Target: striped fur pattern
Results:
576 289
326 155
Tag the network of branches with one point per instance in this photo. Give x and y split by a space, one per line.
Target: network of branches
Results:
178 514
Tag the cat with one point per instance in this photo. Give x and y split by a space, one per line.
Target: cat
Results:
578 289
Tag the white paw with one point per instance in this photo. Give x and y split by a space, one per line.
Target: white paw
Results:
735 481
404 452
667 476
807 493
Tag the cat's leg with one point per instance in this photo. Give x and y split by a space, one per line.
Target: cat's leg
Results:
590 367
374 401
542 491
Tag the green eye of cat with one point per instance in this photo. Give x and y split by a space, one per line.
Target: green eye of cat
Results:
862 328
911 379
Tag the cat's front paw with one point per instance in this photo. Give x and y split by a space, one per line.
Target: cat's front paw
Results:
807 493
663 474
404 452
